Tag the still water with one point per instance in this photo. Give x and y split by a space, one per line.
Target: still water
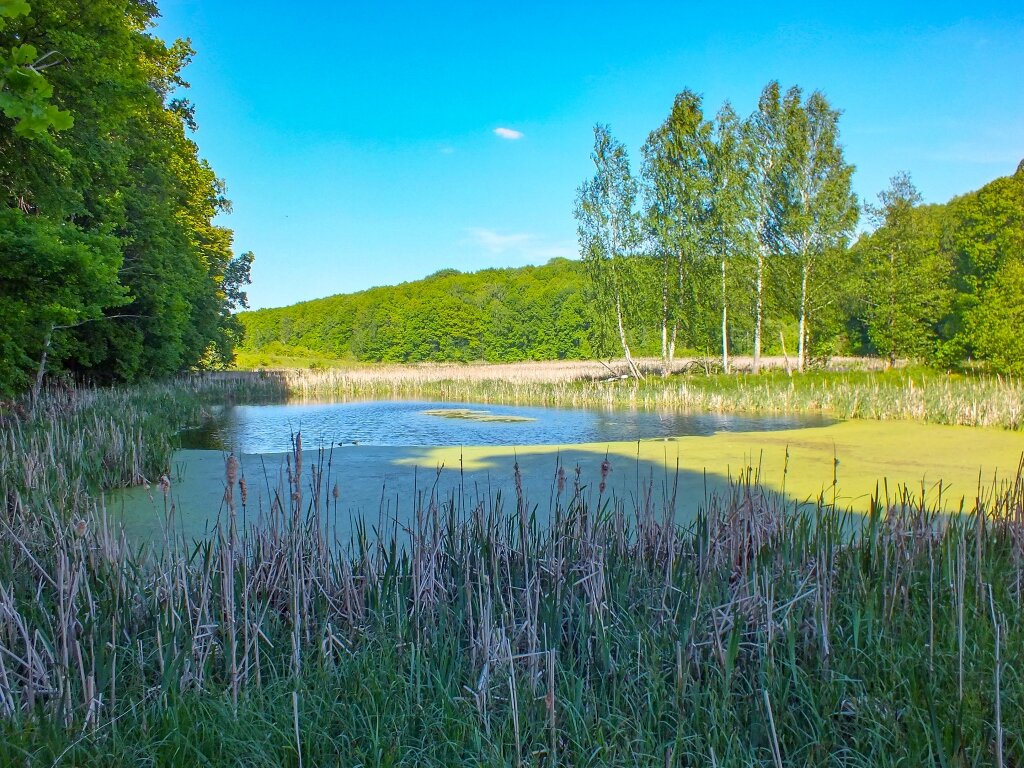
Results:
269 428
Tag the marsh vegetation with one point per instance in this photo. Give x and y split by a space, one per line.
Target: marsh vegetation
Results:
577 628
917 394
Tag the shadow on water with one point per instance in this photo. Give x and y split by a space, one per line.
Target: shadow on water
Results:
384 486
385 476
846 462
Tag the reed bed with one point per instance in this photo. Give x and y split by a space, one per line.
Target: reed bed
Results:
575 631
985 401
77 442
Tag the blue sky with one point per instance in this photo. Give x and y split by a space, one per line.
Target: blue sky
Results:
359 144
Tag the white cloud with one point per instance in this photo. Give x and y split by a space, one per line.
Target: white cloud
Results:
508 133
522 246
447 150
498 243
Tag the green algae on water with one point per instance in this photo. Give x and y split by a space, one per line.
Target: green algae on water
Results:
474 415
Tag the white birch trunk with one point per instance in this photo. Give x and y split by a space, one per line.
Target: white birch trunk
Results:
666 347
725 325
758 309
634 370
802 353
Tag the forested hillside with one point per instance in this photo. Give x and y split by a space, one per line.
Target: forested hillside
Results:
111 265
938 283
530 313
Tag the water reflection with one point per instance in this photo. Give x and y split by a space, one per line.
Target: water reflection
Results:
268 428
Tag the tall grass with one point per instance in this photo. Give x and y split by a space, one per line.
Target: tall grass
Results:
574 630
579 631
77 442
911 394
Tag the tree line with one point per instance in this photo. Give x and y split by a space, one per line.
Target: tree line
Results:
937 283
747 225
527 313
111 265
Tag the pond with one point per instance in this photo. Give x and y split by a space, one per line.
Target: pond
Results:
409 451
403 423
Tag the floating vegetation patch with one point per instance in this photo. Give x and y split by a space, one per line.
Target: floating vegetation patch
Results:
472 415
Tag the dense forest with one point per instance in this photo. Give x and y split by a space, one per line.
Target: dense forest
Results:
938 283
529 313
111 265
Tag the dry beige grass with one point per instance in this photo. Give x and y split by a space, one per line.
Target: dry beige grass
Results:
540 372
852 388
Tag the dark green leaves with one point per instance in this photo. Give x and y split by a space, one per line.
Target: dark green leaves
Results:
97 161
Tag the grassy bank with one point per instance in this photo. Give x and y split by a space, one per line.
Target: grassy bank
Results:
607 635
915 394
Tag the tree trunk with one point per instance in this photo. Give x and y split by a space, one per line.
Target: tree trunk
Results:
666 350
758 310
621 325
725 325
802 353
37 385
634 370
785 355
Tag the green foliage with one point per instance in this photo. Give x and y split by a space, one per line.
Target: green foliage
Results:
123 179
24 92
905 275
816 210
678 188
733 223
983 235
996 326
768 200
498 315
51 277
609 232
921 286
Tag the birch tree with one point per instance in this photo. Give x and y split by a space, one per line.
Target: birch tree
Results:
677 186
817 209
607 229
729 204
764 152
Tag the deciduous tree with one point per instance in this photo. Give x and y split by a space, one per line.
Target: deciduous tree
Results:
607 228
817 209
905 275
678 193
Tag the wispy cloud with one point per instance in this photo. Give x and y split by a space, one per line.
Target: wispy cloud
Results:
521 246
447 149
508 133
496 242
